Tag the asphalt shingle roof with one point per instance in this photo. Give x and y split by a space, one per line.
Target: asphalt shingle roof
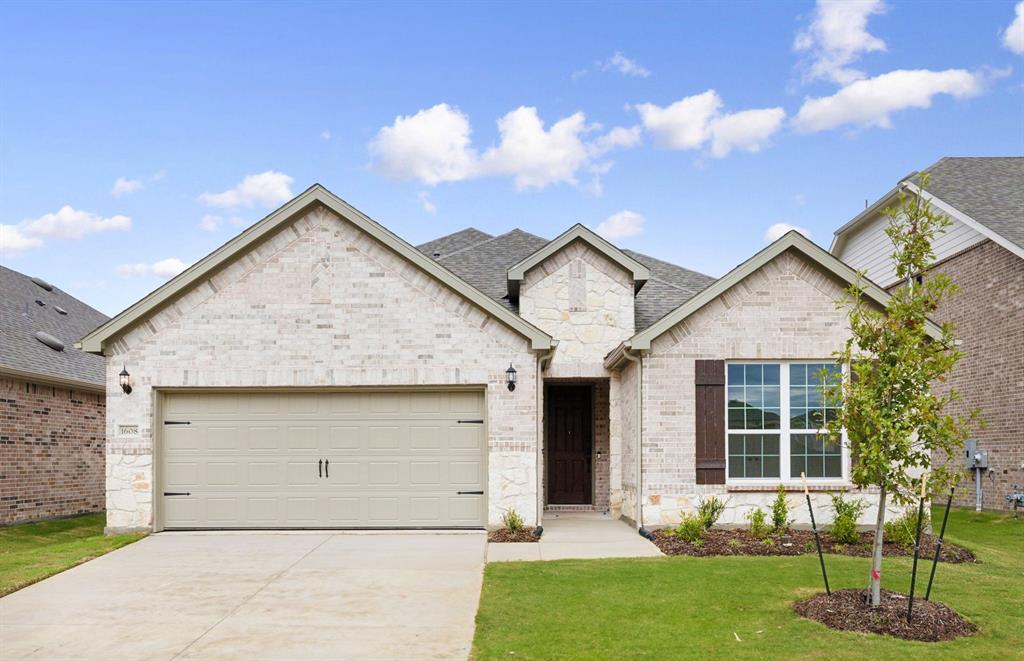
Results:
454 242
21 318
484 265
988 189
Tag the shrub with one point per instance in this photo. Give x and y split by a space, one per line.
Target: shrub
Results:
758 523
513 521
780 512
691 529
709 510
901 531
844 526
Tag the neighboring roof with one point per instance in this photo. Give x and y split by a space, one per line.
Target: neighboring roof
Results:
316 194
577 232
485 265
985 193
791 240
453 242
21 354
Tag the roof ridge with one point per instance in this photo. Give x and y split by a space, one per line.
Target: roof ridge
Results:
493 238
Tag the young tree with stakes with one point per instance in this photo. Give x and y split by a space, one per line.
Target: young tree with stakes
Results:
892 418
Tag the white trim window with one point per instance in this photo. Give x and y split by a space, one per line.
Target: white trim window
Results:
775 423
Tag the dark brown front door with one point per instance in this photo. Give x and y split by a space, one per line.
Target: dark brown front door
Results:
570 438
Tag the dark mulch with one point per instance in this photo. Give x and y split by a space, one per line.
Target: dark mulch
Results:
741 542
505 535
848 610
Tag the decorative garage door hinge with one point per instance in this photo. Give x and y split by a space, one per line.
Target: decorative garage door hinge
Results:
177 493
471 422
177 422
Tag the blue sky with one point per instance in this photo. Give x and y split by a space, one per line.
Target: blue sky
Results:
681 130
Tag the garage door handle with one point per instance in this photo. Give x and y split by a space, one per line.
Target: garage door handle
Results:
177 493
470 493
327 468
471 422
320 469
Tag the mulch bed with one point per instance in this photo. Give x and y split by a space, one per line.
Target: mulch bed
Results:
741 542
848 610
504 535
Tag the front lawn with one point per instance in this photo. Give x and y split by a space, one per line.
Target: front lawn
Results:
31 552
740 607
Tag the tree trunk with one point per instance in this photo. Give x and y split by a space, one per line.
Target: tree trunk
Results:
876 554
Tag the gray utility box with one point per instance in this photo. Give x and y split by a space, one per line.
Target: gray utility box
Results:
975 458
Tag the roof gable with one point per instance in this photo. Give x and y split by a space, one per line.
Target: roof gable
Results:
317 194
577 232
792 240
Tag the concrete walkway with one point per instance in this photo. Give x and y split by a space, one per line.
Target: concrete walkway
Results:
256 596
578 535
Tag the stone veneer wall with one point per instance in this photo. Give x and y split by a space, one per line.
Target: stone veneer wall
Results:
320 303
988 314
51 451
584 300
784 310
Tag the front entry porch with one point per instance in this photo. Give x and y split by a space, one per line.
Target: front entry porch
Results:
576 446
578 535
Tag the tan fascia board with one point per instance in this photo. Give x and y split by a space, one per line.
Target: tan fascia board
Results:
956 214
791 240
95 341
517 272
52 380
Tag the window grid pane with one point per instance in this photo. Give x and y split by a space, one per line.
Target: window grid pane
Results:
815 455
754 398
754 455
807 410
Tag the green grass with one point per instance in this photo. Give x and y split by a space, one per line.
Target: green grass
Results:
33 551
682 607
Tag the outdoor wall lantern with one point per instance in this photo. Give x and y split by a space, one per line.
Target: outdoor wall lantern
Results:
126 380
510 377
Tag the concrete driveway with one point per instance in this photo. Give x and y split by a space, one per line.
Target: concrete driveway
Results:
256 596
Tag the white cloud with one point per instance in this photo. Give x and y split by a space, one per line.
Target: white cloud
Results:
124 186
266 189
684 124
325 135
165 268
424 199
435 146
693 121
211 222
1013 37
747 130
621 225
13 240
624 65
778 230
837 37
870 102
69 223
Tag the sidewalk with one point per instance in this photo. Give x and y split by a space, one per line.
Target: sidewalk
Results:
578 535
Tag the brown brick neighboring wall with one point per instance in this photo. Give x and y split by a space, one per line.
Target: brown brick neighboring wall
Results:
52 458
988 313
602 485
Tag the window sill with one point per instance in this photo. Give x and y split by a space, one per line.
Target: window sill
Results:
771 488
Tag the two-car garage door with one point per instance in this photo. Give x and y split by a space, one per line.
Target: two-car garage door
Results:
354 459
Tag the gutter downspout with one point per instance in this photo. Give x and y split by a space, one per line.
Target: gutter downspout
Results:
638 359
543 358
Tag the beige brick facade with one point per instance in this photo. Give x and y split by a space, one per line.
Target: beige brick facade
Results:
264 321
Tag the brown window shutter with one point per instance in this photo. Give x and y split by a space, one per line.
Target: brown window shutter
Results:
710 391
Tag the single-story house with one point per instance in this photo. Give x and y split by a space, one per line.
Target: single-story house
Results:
52 403
319 371
983 252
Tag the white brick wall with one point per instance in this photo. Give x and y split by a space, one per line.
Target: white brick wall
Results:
264 320
785 310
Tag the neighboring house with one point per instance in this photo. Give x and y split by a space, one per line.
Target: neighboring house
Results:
52 403
983 252
319 371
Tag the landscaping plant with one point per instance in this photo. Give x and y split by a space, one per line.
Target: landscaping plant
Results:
513 521
691 529
901 530
780 513
759 527
709 510
844 526
893 420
